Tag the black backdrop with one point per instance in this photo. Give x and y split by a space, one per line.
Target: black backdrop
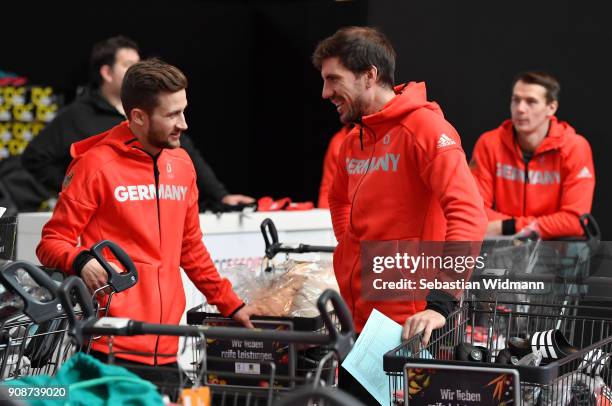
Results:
255 108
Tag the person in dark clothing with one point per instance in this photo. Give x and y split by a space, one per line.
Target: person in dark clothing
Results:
98 109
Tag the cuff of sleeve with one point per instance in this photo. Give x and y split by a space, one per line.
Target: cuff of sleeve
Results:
229 304
79 262
509 226
441 302
237 310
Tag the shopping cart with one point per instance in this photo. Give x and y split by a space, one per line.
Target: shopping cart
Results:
486 322
295 361
33 329
410 365
294 364
8 237
338 341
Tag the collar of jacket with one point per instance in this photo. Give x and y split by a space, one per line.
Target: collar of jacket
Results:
555 138
119 137
408 98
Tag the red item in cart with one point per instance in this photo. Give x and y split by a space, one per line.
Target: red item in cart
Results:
266 203
480 334
605 396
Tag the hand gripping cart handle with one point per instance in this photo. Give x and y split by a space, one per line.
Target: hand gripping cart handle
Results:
37 310
118 281
273 246
340 341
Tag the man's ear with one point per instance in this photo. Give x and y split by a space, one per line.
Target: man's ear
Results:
138 117
552 108
371 76
105 73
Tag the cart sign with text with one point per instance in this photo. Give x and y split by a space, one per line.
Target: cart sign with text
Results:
446 385
248 362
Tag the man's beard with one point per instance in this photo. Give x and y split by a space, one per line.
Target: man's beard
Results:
354 113
159 139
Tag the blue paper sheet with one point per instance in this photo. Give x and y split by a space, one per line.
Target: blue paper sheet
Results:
365 361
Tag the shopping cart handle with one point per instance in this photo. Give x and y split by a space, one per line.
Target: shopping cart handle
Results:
37 310
590 227
118 281
342 341
314 248
75 285
273 246
270 236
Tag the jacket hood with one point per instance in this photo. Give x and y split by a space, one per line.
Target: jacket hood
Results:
409 97
118 137
556 137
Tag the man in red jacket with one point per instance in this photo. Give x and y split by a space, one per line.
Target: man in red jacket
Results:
402 175
534 172
133 185
330 165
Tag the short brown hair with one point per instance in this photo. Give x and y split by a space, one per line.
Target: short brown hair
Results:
359 48
145 80
546 80
105 53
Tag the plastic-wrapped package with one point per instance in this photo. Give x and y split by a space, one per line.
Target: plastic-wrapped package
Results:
318 277
290 290
12 304
275 296
242 277
533 359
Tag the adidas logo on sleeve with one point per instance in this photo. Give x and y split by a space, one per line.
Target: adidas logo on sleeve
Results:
445 141
584 174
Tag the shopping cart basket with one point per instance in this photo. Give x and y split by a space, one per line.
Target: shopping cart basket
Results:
416 373
338 341
33 335
32 329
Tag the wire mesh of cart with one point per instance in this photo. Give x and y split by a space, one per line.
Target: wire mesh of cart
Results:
269 384
553 383
33 324
8 237
297 361
502 339
561 264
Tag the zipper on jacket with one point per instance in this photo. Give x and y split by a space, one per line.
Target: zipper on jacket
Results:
361 136
156 176
526 159
361 126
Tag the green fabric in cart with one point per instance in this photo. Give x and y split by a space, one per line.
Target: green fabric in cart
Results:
90 382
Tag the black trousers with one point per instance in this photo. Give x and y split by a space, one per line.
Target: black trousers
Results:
350 385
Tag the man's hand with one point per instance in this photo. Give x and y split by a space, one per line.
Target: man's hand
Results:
243 315
95 276
425 322
234 200
531 230
494 228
